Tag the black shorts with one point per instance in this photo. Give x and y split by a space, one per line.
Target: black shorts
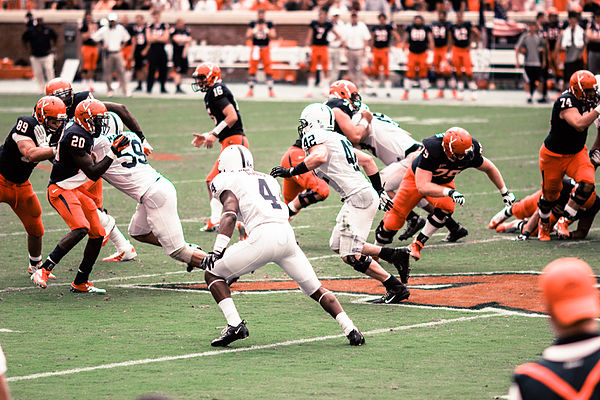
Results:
180 63
533 74
139 59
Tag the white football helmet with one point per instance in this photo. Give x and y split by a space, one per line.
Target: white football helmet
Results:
115 125
235 158
316 116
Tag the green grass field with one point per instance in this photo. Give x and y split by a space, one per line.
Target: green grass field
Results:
135 340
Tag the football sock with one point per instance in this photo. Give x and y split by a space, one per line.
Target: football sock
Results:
90 254
570 212
119 240
424 83
391 282
451 224
216 208
422 238
231 314
461 85
345 322
292 207
54 258
270 84
407 84
33 261
311 84
440 83
386 253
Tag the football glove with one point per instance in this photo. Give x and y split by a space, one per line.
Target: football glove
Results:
595 157
521 237
119 144
508 197
281 171
208 262
457 197
146 147
385 203
40 136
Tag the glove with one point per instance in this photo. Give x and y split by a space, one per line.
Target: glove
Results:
385 203
119 144
208 262
281 171
457 197
521 237
146 147
595 157
40 136
508 197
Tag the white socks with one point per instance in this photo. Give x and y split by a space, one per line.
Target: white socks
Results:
116 237
230 312
345 323
216 208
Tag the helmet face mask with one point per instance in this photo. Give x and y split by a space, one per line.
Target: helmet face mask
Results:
100 124
205 76
316 116
51 113
199 84
92 116
346 90
302 127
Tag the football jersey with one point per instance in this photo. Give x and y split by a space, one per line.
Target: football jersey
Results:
440 33
343 105
156 31
65 173
551 34
417 38
434 159
78 98
382 36
563 138
12 165
461 34
139 37
216 99
176 34
260 37
341 169
258 195
595 34
130 173
386 140
319 32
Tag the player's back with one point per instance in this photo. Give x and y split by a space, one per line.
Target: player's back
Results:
12 166
258 195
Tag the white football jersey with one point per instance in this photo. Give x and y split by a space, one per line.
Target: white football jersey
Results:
341 170
385 139
258 194
130 173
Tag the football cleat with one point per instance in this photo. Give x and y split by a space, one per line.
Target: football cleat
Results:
401 260
40 277
440 94
413 225
508 227
394 296
209 227
271 93
356 338
457 234
543 231
562 228
415 249
231 334
405 96
122 256
86 287
500 217
31 270
110 225
425 96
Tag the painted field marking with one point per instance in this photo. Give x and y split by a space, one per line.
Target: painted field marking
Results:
240 350
5 330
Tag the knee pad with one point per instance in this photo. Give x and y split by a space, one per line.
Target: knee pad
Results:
382 236
582 192
323 191
545 205
307 198
438 218
184 254
360 264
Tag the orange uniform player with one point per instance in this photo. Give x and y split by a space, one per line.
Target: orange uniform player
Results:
319 53
441 32
261 32
89 49
418 39
380 47
462 32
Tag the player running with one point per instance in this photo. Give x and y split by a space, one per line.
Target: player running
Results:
334 160
73 172
25 146
223 109
256 197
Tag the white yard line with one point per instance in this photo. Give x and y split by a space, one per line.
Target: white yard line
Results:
240 350
5 330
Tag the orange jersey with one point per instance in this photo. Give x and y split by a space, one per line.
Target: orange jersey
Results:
295 185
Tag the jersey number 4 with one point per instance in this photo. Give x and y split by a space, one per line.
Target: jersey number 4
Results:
266 193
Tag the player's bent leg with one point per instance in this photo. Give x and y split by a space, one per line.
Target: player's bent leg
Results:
29 211
236 328
435 221
81 283
330 303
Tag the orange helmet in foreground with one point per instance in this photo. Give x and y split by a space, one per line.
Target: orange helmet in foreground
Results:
92 116
205 76
583 86
346 90
51 113
458 144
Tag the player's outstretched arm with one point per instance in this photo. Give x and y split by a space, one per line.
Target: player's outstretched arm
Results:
354 133
33 153
496 177
580 121
366 162
131 122
317 155
92 170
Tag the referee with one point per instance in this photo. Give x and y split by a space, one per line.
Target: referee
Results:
157 35
570 368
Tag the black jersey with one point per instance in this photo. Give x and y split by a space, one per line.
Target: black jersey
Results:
89 41
461 34
260 37
139 37
74 140
595 34
563 138
78 98
157 31
382 35
440 32
434 159
551 34
320 32
343 105
12 166
176 35
417 38
216 99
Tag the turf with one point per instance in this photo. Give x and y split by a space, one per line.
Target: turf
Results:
470 358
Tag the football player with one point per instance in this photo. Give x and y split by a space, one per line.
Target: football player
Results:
25 146
462 33
256 196
223 109
418 39
440 30
261 32
344 100
431 176
334 159
380 44
564 152
73 172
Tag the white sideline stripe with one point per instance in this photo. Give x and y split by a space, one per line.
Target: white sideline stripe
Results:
5 330
251 348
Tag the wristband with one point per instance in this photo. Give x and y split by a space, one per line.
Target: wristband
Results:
375 181
299 169
447 191
222 125
220 243
503 190
364 122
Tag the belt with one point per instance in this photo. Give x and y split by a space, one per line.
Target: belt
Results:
113 52
356 49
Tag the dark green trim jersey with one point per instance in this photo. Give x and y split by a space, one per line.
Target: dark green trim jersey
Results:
563 138
12 166
216 99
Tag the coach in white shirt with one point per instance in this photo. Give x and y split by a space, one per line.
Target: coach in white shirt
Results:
113 36
357 38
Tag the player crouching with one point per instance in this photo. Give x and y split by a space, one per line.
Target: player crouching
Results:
257 196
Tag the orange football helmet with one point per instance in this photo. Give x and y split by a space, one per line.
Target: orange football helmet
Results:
457 144
583 86
92 116
51 113
205 76
346 90
62 89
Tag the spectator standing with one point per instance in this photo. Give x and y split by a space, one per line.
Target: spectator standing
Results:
260 32
568 368
317 39
205 6
41 40
572 42
336 50
4 392
380 47
89 49
552 32
104 5
356 37
593 43
181 39
418 39
157 35
533 48
140 50
113 36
